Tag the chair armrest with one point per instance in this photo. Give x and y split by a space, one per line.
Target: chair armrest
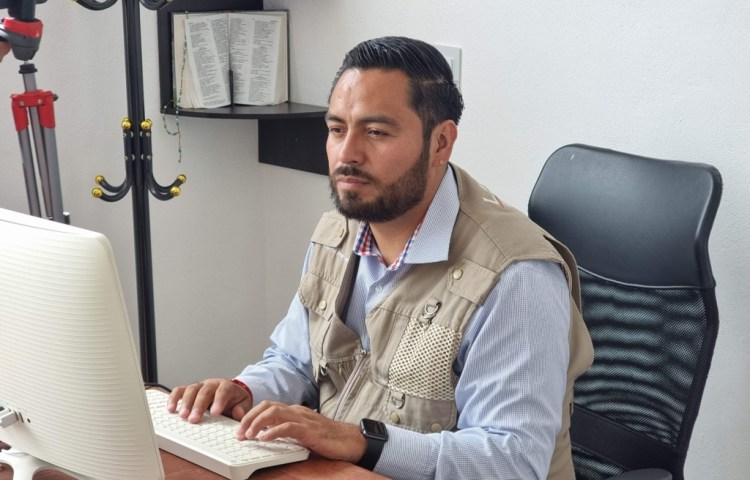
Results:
644 474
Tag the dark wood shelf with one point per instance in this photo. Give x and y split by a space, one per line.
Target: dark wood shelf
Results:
280 111
290 135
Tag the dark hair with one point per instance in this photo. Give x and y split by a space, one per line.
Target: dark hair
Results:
434 95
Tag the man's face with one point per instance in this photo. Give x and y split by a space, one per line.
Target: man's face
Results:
377 159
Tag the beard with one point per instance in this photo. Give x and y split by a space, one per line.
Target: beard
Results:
392 201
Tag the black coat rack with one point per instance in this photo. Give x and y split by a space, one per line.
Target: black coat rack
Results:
136 133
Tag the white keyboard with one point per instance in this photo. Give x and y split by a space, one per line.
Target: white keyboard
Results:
212 443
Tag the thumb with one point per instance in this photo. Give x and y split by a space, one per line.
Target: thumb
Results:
240 410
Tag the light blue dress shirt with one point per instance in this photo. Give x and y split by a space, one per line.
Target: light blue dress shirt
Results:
512 365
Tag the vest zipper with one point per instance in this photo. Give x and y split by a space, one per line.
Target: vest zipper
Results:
349 386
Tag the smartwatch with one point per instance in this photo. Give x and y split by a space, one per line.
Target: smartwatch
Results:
376 435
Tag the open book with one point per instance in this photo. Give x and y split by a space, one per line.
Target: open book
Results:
224 58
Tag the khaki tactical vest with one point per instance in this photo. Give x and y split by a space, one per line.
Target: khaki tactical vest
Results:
415 332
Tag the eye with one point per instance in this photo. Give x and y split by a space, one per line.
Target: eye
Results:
376 133
335 130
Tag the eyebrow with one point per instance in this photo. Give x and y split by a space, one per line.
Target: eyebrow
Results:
384 119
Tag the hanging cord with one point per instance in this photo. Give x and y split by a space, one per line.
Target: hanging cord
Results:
176 99
154 4
95 5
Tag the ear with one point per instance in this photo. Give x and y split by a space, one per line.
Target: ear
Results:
443 137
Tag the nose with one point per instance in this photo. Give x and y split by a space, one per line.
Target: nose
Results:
345 149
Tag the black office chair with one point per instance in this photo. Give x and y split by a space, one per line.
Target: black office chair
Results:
639 230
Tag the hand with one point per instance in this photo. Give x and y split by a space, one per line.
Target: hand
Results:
4 49
219 394
330 439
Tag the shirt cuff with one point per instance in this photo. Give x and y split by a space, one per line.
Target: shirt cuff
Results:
258 388
407 454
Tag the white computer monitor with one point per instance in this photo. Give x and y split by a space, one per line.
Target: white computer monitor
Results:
70 382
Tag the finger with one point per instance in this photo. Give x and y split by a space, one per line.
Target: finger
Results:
188 398
191 402
204 397
258 418
174 398
284 430
239 411
227 396
273 414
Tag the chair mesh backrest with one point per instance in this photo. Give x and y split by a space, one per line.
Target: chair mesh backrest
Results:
648 344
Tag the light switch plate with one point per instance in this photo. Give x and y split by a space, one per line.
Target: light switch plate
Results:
453 56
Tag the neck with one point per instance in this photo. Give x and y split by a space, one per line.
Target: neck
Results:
391 236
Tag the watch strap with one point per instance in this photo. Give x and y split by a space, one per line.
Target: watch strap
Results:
374 449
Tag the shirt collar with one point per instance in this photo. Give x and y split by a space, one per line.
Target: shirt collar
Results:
431 240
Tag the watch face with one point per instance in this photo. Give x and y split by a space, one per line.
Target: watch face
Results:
374 429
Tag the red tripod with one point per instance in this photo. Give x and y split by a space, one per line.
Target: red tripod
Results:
35 109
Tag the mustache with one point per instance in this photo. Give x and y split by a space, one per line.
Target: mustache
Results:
352 171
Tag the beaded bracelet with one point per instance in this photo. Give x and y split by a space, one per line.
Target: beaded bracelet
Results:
247 389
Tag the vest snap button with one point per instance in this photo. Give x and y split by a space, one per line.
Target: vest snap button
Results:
342 231
436 427
395 419
457 273
322 305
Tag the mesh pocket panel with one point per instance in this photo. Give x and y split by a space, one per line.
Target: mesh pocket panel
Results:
422 366
647 343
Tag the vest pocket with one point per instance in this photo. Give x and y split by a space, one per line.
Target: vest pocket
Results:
421 381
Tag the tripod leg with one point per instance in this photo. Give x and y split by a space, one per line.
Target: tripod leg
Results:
40 148
29 173
51 189
46 156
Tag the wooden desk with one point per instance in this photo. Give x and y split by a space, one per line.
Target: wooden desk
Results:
175 468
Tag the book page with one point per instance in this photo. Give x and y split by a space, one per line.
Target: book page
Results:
258 57
208 63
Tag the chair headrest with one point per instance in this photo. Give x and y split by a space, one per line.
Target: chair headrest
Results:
633 219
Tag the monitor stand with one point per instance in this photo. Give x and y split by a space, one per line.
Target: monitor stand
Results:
25 466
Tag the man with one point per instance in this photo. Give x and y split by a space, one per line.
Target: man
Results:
427 307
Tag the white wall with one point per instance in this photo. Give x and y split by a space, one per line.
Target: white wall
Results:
665 79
